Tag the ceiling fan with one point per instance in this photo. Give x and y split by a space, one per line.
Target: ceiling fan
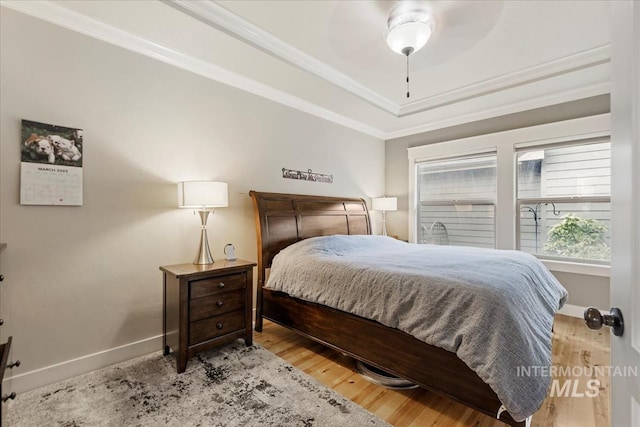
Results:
365 33
410 26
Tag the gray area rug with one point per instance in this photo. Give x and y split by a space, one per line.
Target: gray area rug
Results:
234 385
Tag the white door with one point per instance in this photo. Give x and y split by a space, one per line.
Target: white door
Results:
625 197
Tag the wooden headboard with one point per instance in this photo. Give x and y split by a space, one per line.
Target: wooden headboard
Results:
283 219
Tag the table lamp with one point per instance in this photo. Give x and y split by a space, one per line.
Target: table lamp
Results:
203 196
384 204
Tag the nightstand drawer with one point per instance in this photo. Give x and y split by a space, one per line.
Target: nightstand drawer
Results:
212 327
202 288
216 304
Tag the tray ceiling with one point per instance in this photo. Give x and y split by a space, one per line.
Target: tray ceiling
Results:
330 59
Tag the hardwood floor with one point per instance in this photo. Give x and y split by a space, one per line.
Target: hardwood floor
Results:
573 345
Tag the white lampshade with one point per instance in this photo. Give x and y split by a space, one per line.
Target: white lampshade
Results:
413 34
202 194
384 204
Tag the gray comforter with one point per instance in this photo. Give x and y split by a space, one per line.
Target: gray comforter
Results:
493 308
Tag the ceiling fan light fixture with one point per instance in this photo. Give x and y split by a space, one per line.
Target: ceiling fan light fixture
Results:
409 29
409 37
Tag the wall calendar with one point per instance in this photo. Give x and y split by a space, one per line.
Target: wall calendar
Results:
51 167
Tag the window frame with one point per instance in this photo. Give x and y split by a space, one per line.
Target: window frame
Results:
454 202
506 144
556 199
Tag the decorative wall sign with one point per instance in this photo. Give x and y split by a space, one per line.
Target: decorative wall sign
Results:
51 168
307 176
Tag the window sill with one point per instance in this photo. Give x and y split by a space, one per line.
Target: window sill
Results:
578 268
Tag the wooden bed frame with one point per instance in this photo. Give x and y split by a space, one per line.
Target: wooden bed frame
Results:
283 219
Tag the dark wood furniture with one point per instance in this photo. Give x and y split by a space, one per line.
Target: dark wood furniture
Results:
5 350
206 306
4 355
283 219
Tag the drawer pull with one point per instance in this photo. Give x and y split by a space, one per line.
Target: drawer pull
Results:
221 285
12 365
219 303
9 396
1 278
1 322
219 326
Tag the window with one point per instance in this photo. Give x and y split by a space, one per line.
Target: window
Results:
456 201
485 190
564 201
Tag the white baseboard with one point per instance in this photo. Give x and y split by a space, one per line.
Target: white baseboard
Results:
61 371
71 368
572 310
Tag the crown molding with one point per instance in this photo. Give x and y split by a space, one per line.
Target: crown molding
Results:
58 15
586 59
217 16
77 22
516 107
214 15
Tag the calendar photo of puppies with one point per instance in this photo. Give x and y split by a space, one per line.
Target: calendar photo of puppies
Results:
51 144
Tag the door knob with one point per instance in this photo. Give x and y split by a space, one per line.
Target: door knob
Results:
594 320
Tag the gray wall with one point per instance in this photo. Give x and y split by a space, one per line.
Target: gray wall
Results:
85 280
397 173
585 290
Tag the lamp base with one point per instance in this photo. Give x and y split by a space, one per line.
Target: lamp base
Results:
384 223
204 253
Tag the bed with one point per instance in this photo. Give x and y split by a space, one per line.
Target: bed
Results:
284 219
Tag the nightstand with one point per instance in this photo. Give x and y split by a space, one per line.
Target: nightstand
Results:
206 306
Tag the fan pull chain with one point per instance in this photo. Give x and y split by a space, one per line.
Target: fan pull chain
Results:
407 76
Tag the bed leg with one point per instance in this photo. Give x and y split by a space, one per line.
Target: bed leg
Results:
259 303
